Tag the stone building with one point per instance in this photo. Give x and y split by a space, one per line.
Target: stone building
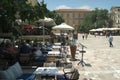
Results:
73 17
115 16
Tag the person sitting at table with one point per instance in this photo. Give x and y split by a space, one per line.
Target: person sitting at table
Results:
48 46
24 48
5 53
10 49
37 53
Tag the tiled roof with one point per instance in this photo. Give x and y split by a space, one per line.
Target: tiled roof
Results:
73 10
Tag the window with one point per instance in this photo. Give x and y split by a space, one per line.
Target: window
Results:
118 21
68 15
61 15
73 22
118 15
79 15
118 9
67 21
73 15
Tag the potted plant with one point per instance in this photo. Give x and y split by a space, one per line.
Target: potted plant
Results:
73 48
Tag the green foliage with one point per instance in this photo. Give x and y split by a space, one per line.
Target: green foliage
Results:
10 10
97 19
58 19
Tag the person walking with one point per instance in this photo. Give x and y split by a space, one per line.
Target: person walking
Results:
111 40
83 36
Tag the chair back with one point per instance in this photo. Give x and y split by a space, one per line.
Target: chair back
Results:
51 64
75 75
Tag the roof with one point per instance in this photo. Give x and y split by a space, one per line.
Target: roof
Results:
73 10
115 7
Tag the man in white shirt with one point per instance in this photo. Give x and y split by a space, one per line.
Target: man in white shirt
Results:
110 40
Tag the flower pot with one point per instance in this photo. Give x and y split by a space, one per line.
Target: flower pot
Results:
73 51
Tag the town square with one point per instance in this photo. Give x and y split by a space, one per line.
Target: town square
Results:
59 40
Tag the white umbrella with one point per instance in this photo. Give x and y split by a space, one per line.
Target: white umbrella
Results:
46 22
113 29
99 29
63 26
92 30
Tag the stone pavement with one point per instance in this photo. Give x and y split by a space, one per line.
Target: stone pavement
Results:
102 61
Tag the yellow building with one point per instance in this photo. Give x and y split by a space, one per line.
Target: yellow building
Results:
73 17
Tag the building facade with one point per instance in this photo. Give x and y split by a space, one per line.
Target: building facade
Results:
73 17
115 16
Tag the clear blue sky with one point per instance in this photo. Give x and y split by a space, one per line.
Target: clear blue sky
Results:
78 4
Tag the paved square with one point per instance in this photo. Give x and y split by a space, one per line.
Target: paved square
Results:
102 61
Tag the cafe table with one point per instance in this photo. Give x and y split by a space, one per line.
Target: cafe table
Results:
45 71
54 53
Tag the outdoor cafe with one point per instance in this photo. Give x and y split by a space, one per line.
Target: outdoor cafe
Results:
52 64
104 31
37 61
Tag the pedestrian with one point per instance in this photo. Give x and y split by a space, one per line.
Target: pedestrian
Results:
83 36
110 40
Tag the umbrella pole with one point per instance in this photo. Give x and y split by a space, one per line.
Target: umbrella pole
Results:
43 34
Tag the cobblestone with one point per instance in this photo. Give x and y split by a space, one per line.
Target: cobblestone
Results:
102 61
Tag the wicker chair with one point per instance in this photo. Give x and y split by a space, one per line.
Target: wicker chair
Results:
73 75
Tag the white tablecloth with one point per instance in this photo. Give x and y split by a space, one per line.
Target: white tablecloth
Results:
54 53
58 44
46 70
54 47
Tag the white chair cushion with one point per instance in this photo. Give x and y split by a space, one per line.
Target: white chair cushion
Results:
17 69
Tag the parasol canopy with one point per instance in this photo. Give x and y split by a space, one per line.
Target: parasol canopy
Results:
46 22
26 27
104 29
63 26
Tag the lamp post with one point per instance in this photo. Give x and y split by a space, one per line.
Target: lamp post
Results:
43 33
45 22
16 24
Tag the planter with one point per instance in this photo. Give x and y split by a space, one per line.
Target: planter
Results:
73 51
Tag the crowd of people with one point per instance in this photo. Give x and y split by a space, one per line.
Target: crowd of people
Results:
34 48
7 51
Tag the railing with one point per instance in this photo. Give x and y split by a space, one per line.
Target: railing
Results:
6 35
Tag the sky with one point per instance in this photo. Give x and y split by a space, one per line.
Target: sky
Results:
80 4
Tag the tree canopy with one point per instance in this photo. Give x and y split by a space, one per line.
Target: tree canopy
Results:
97 19
10 10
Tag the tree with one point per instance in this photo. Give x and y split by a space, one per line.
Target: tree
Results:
8 11
51 14
97 19
58 19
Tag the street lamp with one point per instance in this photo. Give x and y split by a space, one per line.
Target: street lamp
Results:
43 28
16 24
45 22
43 33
